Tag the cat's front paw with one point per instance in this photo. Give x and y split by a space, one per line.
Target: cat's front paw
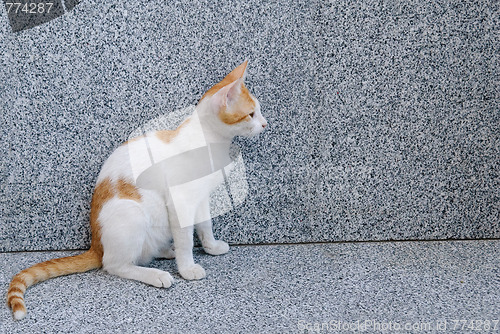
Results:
193 272
219 247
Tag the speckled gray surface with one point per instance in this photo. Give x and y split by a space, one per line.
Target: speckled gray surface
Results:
277 289
384 119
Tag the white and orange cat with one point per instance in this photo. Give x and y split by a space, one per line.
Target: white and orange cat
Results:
131 224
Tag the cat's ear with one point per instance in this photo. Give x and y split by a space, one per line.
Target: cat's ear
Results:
227 94
239 73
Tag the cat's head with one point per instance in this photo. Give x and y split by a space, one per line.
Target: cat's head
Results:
229 109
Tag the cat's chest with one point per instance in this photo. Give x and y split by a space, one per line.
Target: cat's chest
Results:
192 172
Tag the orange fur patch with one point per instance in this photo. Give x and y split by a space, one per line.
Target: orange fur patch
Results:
18 282
240 109
9 300
167 135
103 192
235 74
18 306
15 289
127 191
49 269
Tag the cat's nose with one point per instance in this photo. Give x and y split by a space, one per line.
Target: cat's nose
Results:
264 125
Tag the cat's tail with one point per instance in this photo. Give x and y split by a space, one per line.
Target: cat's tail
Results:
45 270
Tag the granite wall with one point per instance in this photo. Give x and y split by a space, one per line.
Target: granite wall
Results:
383 115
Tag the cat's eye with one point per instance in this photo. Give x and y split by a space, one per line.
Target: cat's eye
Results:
251 114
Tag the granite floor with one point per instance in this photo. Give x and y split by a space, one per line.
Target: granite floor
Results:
403 287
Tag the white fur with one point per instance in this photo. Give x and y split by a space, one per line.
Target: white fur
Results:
18 315
133 233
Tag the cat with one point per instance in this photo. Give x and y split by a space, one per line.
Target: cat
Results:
133 222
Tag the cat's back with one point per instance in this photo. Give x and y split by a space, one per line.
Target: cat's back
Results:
138 154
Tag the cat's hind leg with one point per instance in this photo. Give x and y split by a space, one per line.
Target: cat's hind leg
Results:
125 243
151 276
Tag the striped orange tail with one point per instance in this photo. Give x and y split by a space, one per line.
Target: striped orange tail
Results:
45 270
